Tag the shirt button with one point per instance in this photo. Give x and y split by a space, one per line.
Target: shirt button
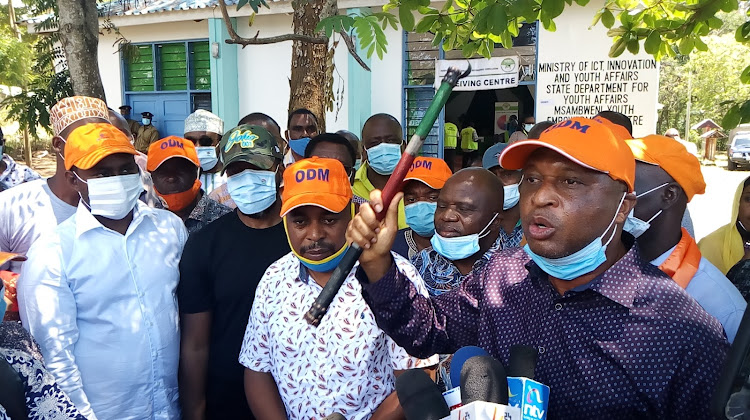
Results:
541 350
558 306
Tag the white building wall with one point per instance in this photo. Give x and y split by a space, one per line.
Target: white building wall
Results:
109 57
387 75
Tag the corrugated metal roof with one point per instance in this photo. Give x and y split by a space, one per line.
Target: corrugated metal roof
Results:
142 7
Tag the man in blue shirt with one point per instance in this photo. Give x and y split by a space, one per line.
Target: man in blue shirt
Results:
616 337
667 178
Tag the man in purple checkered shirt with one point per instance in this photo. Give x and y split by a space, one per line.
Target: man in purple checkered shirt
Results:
617 339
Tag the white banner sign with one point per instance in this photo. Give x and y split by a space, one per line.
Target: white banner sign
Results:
582 82
486 74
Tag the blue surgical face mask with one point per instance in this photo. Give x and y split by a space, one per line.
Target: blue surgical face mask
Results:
460 247
528 127
253 191
581 262
510 196
420 217
207 157
145 121
636 226
384 157
357 164
326 265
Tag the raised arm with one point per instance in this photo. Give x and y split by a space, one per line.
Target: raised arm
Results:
423 326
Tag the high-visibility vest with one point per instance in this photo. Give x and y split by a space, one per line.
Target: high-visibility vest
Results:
467 139
451 136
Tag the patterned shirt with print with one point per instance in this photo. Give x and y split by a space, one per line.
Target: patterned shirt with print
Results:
440 275
15 174
345 365
205 212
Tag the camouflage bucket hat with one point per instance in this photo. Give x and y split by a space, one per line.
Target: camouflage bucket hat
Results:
249 143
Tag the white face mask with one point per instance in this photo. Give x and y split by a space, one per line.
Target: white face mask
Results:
636 226
113 197
528 127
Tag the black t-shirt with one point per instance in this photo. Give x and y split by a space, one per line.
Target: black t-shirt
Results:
220 269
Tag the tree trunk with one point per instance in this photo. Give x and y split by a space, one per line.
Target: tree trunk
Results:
309 85
79 35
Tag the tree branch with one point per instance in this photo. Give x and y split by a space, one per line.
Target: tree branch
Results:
353 50
236 39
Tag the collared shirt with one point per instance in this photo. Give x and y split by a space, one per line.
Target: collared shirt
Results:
15 173
715 293
440 275
344 365
205 212
103 308
512 240
363 187
632 345
27 212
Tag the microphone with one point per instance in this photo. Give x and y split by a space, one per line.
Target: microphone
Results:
483 379
334 416
527 394
420 397
457 363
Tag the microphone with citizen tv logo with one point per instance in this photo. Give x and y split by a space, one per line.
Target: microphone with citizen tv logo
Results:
525 393
420 397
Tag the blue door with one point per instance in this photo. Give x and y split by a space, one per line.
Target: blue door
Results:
169 109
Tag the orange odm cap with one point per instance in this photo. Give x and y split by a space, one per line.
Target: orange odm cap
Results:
586 142
9 256
318 182
619 131
673 157
171 147
90 143
430 171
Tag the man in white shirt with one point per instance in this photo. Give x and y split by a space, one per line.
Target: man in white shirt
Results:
98 293
36 207
204 129
667 177
346 365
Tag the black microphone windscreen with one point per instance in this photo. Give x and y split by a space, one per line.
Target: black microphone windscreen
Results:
334 416
483 379
420 397
459 358
522 361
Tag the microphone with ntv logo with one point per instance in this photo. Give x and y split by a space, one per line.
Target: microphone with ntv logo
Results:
393 186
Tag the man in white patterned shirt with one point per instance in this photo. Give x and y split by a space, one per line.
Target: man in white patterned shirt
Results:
347 365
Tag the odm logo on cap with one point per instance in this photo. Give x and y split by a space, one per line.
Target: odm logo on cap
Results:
245 138
311 175
171 142
572 124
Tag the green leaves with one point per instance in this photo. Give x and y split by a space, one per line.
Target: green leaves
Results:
653 43
732 118
686 46
745 76
370 35
608 19
335 24
407 19
254 4
743 33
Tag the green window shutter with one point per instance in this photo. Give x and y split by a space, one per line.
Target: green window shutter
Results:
140 69
173 66
201 68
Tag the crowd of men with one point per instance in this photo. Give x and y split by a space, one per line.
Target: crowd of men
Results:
168 278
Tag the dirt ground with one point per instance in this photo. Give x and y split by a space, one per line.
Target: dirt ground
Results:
43 162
